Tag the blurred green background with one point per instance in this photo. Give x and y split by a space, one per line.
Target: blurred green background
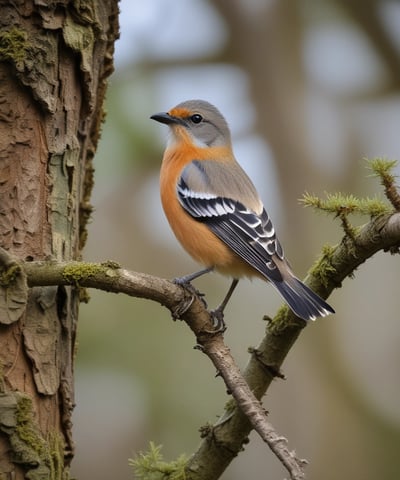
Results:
309 88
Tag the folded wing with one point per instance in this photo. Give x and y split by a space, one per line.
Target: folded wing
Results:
250 235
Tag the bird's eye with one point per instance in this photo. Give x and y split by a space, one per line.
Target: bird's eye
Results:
196 118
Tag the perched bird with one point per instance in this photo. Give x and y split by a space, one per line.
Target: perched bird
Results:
215 211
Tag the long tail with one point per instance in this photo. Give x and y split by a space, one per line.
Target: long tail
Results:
302 300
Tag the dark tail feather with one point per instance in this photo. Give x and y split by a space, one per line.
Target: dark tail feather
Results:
302 300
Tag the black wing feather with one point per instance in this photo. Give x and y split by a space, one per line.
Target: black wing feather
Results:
252 237
249 235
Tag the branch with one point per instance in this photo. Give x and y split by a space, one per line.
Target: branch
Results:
183 304
225 439
335 264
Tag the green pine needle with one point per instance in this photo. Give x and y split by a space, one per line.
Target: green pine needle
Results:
382 167
151 465
341 204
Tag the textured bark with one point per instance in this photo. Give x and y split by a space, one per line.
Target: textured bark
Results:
54 60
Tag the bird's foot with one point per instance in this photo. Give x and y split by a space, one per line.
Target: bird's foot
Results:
185 304
217 317
183 282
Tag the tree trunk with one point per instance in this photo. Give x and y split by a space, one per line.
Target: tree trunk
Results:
54 61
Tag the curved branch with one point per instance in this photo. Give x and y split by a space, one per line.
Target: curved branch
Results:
381 233
224 440
183 304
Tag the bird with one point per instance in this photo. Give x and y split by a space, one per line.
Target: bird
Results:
216 213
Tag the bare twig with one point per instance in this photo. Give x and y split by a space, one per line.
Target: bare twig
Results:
250 405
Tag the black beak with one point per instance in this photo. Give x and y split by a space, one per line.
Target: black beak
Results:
165 117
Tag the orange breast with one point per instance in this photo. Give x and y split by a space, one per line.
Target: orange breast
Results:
195 237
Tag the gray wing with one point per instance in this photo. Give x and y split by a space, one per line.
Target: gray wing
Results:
247 230
248 234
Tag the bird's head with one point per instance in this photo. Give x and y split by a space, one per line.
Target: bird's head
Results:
198 121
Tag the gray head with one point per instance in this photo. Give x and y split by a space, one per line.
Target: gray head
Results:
199 119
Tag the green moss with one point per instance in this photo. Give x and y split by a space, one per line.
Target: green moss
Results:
26 430
45 456
280 321
151 466
56 449
9 275
13 45
323 268
79 271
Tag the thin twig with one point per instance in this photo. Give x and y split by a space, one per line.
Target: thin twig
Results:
251 406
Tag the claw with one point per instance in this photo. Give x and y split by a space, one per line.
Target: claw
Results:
184 283
182 307
217 317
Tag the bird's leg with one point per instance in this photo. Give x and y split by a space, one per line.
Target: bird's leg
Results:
186 279
218 314
185 282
